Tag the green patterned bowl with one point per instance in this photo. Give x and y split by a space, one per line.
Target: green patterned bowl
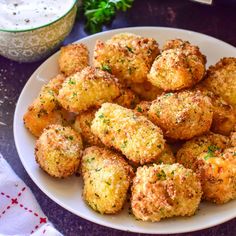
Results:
35 44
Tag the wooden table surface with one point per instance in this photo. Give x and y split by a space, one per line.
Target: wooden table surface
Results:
218 20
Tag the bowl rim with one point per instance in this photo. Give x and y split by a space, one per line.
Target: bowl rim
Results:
41 26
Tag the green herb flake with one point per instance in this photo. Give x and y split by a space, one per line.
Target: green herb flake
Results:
101 116
168 94
139 109
71 81
124 145
106 68
129 49
161 175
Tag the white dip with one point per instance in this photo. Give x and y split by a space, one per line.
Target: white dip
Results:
28 14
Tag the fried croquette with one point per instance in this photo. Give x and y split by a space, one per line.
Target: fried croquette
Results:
180 65
58 151
130 60
135 136
188 153
224 115
182 115
107 178
89 88
143 107
217 172
127 98
45 108
83 125
162 191
73 58
146 90
221 79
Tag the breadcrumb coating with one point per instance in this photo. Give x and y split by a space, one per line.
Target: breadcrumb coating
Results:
221 79
163 191
135 136
182 115
45 108
107 178
129 60
58 151
224 115
83 124
180 65
73 58
217 172
89 88
188 153
146 90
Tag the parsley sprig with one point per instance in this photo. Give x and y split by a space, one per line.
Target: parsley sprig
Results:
100 12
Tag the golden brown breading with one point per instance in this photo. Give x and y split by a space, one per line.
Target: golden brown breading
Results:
135 136
217 172
221 79
58 151
73 58
162 191
127 98
166 157
146 90
182 115
83 126
89 88
107 178
180 65
130 60
233 139
224 116
45 108
188 153
143 107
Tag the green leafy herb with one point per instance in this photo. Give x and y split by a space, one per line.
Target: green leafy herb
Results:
161 175
130 49
139 109
100 12
106 68
101 116
210 152
70 81
124 144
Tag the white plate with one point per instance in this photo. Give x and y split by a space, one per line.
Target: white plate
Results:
67 193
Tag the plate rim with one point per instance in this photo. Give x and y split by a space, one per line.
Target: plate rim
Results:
70 209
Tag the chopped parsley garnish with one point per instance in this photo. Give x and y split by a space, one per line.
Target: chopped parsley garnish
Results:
124 144
106 68
161 175
210 152
101 116
71 81
129 49
139 109
168 94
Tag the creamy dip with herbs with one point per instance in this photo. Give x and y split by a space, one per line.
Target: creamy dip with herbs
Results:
28 14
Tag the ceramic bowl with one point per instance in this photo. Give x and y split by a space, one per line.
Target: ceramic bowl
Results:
34 44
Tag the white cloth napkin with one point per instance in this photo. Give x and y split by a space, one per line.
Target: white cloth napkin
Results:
20 214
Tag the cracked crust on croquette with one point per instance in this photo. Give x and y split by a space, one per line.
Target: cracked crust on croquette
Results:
163 191
217 172
188 153
107 178
58 151
182 115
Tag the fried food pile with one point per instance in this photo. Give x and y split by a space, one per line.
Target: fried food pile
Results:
141 123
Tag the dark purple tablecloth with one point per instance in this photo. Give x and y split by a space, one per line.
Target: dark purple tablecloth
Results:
218 20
